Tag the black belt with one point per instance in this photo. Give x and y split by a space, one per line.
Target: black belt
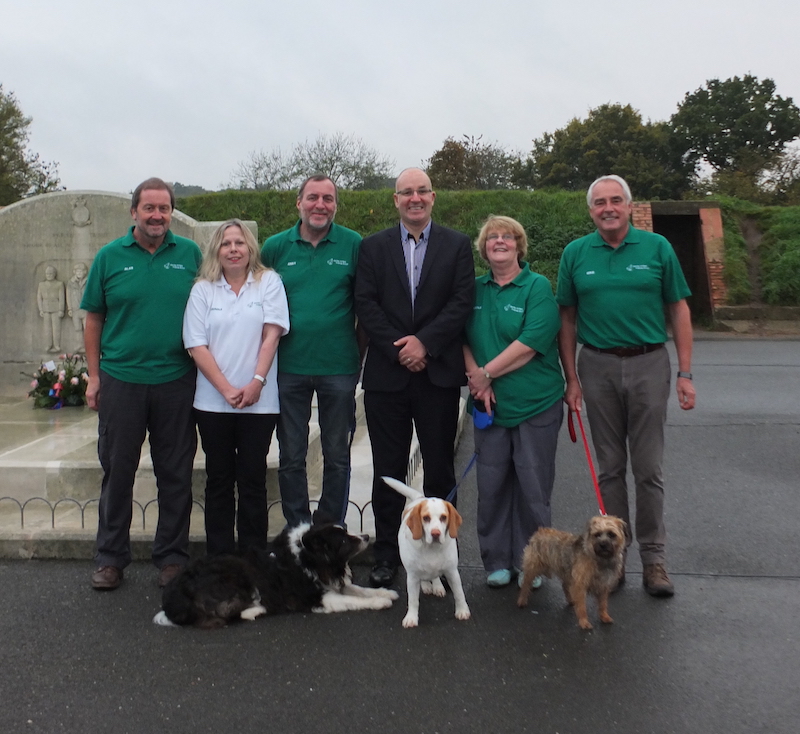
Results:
626 351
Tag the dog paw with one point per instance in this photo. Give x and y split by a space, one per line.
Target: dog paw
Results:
387 594
410 620
383 602
606 619
436 588
252 613
462 613
585 624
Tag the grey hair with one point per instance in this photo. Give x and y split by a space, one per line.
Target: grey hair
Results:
618 179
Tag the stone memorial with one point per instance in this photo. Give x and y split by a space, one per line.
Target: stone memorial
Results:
47 244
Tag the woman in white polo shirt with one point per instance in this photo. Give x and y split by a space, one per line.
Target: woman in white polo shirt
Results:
235 317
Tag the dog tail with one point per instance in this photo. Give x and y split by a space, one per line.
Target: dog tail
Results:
404 489
162 619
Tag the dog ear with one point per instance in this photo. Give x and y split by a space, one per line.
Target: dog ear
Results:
453 520
414 521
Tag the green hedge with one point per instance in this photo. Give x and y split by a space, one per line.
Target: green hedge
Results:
551 218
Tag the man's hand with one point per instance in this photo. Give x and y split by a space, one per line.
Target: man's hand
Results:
93 393
412 353
686 394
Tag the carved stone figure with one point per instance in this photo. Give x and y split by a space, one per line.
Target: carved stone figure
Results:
75 287
51 300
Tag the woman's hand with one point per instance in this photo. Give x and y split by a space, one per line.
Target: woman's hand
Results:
250 393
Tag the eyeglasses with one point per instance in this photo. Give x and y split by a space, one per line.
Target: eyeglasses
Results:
408 193
507 237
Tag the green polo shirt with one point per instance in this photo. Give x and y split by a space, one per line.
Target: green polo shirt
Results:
319 287
620 292
143 297
523 310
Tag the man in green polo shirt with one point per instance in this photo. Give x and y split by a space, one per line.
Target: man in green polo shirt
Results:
317 261
142 380
613 285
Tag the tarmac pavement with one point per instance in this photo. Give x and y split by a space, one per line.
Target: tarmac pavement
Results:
721 656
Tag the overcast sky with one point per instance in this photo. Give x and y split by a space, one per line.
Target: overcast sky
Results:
185 89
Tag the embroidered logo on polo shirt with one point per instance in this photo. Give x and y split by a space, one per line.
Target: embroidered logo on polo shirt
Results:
129 267
174 266
257 304
590 272
333 261
291 262
631 268
515 309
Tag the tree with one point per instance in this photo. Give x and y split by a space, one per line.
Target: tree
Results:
612 139
22 173
346 159
263 170
470 164
736 124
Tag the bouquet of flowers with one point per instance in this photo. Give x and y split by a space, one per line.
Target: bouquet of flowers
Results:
55 386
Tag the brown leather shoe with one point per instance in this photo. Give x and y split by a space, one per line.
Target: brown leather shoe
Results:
107 578
655 580
168 572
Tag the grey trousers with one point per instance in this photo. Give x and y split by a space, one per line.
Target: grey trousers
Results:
516 469
128 411
626 401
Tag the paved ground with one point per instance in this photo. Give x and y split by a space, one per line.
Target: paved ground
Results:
721 656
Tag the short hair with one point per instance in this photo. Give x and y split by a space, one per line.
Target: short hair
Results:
504 224
319 177
618 179
152 183
211 270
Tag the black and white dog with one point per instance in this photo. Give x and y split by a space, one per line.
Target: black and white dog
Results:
307 570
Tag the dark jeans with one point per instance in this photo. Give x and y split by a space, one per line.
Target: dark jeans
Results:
391 417
236 447
128 411
336 413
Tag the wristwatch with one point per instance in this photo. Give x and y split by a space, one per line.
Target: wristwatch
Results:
262 380
687 375
486 374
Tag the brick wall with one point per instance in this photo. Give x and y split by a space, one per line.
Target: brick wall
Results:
642 217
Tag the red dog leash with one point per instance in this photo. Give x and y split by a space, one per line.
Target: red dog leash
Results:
574 438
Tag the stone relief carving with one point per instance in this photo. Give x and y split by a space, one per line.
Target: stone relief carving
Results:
51 299
75 288
80 213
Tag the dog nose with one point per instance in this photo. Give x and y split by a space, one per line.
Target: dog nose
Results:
435 533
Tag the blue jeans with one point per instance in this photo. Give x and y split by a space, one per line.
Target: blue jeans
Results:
336 412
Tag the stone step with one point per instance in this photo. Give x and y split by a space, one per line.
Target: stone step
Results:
51 480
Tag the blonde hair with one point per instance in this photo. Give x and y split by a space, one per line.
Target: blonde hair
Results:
504 224
211 269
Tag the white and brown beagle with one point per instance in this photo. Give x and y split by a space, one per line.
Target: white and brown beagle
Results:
428 549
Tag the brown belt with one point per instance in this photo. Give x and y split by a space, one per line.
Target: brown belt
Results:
626 351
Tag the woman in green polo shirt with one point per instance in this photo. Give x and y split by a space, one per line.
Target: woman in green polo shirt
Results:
514 372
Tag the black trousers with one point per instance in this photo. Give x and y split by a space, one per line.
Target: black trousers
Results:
236 447
391 418
128 411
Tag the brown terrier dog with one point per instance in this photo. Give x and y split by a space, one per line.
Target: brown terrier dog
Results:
586 564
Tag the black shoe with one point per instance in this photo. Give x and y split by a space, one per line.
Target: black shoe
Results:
382 574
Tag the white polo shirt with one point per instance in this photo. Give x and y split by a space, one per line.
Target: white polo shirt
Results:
230 325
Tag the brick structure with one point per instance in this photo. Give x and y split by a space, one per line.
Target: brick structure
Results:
642 216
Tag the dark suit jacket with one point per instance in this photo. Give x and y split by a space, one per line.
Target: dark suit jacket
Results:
444 301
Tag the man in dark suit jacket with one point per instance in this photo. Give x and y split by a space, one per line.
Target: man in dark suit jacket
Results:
414 291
